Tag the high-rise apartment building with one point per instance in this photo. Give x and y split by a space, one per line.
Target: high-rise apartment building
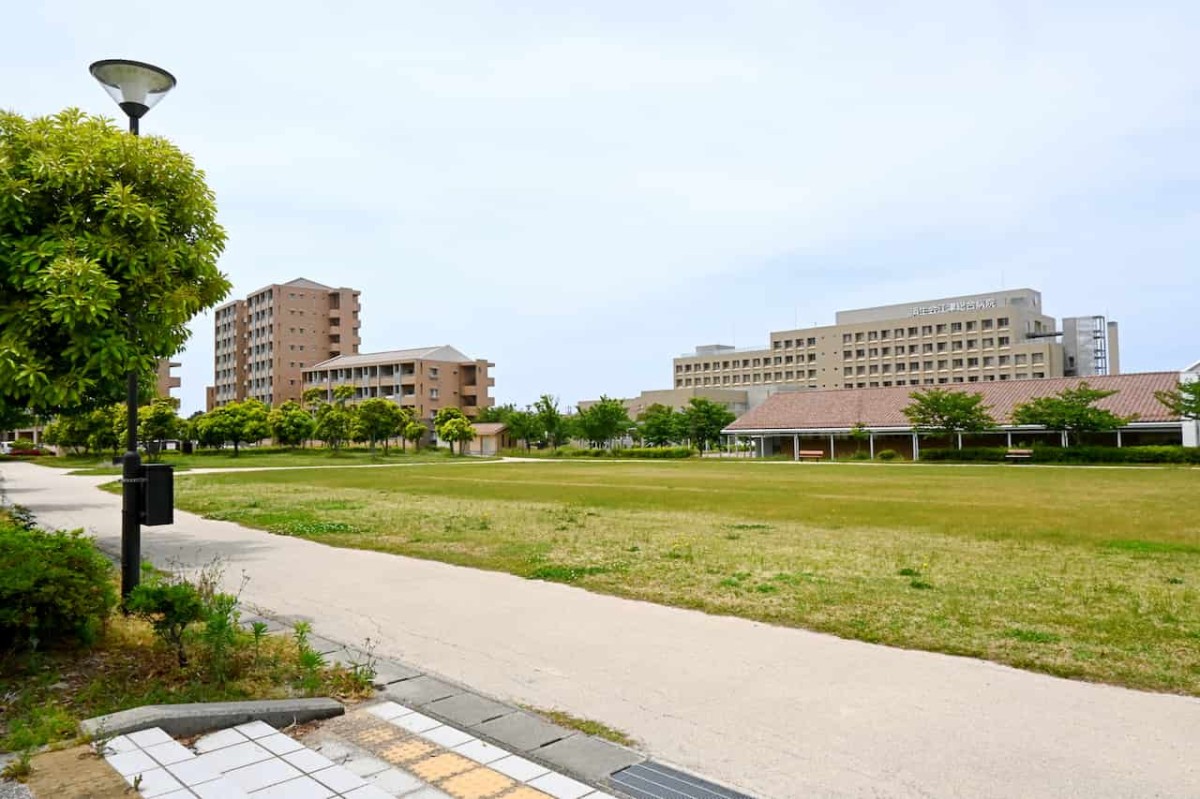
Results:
426 379
1003 335
264 342
164 380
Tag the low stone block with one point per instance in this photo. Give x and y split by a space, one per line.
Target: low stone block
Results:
467 709
193 719
521 730
591 758
420 691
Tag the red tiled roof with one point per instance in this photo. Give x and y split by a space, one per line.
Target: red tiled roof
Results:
882 407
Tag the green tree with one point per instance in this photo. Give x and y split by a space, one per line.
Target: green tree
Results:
659 425
290 424
378 419
236 423
603 421
312 398
525 426
456 429
496 413
102 426
704 420
70 431
551 419
158 422
443 418
943 412
108 248
343 393
334 423
1184 400
860 435
414 431
1072 411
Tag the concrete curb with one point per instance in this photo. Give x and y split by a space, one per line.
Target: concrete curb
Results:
180 721
584 757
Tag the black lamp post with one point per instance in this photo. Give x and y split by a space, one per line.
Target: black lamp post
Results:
136 87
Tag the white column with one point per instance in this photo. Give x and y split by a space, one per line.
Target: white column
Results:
916 448
1118 439
1191 433
960 440
831 446
796 447
1064 439
1008 438
872 440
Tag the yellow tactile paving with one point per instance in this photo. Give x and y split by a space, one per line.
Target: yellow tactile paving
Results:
441 767
480 783
378 736
525 792
398 754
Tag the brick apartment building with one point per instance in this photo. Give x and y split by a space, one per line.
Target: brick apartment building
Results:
264 342
425 379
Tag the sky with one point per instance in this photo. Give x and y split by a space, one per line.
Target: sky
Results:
580 192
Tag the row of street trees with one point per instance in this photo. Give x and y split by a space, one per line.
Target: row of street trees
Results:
542 424
1071 411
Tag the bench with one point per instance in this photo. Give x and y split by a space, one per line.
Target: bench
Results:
810 455
1018 454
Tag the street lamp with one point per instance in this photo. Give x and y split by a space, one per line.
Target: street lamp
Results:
137 88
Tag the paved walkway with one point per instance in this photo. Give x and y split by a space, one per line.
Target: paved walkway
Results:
778 712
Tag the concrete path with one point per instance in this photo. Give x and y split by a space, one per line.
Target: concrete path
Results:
778 712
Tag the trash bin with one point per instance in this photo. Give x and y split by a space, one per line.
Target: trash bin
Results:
158 494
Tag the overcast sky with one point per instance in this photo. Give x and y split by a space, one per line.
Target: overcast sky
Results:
580 192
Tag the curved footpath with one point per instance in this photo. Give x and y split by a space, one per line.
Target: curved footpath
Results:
777 712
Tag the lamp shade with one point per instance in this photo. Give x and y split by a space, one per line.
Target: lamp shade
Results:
136 87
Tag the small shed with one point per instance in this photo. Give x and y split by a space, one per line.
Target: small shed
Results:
490 438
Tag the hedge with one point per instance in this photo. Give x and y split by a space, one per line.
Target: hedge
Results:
654 453
1078 454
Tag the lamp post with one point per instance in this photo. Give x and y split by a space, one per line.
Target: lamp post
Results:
137 88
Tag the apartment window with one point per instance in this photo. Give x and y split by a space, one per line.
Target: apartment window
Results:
1004 360
987 324
847 371
940 380
898 333
860 353
941 346
927 381
887 351
812 373
1039 357
860 370
972 362
1020 360
736 379
927 348
847 354
873 352
1002 341
758 362
958 379
787 375
941 328
847 385
957 363
988 343
989 378
433 371
778 345
1039 374
1002 321
956 327
887 367
956 346
942 363
914 366
883 334
927 364
779 375
988 360
872 336
858 336
788 359
1003 377
873 369
971 325
847 338
900 367
725 364
973 379
812 357
926 330
912 331
812 342
778 360
972 343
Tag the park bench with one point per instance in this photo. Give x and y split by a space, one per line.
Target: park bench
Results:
1018 454
810 454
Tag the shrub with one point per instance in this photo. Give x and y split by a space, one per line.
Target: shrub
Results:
617 452
860 456
887 455
24 444
1079 454
54 586
170 608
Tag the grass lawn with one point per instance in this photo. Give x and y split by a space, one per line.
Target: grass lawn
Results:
1080 572
250 457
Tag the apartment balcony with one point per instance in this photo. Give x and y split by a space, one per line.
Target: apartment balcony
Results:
335 330
408 379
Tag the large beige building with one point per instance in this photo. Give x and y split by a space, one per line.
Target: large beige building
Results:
164 380
982 338
264 342
425 379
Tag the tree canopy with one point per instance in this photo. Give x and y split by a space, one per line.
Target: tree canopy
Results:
1184 400
660 425
603 421
290 424
378 419
1072 411
946 412
704 420
108 247
551 419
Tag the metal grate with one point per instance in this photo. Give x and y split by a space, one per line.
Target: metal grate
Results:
652 780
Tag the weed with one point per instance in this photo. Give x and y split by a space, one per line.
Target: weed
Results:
920 585
749 526
20 767
586 726
313 528
766 588
1031 636
909 573
565 574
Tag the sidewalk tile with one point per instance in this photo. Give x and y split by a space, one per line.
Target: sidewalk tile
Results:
219 789
590 758
442 766
388 710
115 746
193 772
519 768
522 730
232 757
406 751
428 793
525 792
170 752
338 778
388 671
420 691
299 788
480 783
182 793
416 722
468 709
219 740
255 729
154 782
335 749
369 792
448 737
131 762
279 744
560 787
481 751
599 795
365 766
257 776
395 781
307 760
150 737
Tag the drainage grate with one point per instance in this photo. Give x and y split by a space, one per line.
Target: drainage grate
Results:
652 780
